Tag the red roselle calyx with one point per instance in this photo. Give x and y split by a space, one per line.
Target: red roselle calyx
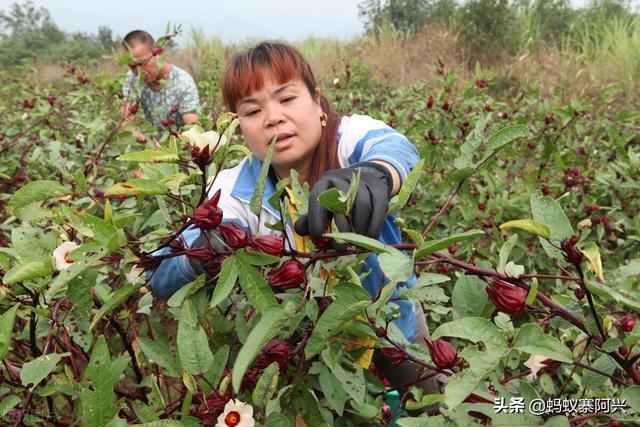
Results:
276 350
203 254
208 215
506 297
271 245
290 274
628 325
571 253
393 355
443 354
235 236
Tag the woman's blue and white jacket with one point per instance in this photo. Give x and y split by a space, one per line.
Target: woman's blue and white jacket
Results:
360 138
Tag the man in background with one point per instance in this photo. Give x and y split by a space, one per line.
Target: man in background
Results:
168 94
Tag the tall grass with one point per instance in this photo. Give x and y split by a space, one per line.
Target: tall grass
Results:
610 51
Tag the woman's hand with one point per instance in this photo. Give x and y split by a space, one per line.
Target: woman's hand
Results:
369 208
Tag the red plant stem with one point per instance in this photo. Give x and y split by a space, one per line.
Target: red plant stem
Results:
548 276
444 207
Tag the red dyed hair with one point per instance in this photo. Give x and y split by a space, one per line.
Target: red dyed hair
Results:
244 74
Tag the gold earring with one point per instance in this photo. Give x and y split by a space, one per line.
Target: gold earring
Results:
323 120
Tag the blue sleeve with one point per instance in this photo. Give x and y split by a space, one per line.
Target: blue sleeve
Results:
173 273
397 151
388 145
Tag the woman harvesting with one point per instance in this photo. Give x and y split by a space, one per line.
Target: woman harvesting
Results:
275 95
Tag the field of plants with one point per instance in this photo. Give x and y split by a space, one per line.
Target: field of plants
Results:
521 222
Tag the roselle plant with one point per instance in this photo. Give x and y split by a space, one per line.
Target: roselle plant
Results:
267 332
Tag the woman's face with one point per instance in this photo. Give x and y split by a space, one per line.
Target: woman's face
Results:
286 111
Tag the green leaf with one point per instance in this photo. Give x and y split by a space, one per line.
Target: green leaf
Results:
159 353
193 345
137 187
8 403
266 386
469 296
351 376
226 281
360 241
186 291
505 251
118 297
398 201
427 399
97 395
548 211
256 200
502 138
528 225
271 321
254 285
397 266
29 271
473 329
435 245
159 155
471 144
531 339
632 396
332 390
331 200
37 191
220 358
7 321
594 381
592 253
39 368
349 301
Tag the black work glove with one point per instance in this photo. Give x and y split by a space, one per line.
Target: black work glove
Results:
369 208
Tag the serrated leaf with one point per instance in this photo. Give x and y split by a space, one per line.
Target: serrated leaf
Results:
528 225
7 321
7 403
396 266
360 241
253 284
266 386
39 368
159 155
226 281
137 187
398 201
118 297
531 339
193 344
159 354
505 251
349 301
271 321
98 402
29 271
502 138
37 191
256 200
435 245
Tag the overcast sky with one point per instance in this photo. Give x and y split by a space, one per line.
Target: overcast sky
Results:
231 20
228 19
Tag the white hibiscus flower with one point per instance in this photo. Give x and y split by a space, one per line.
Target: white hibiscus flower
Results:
60 254
133 275
535 364
236 414
197 137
